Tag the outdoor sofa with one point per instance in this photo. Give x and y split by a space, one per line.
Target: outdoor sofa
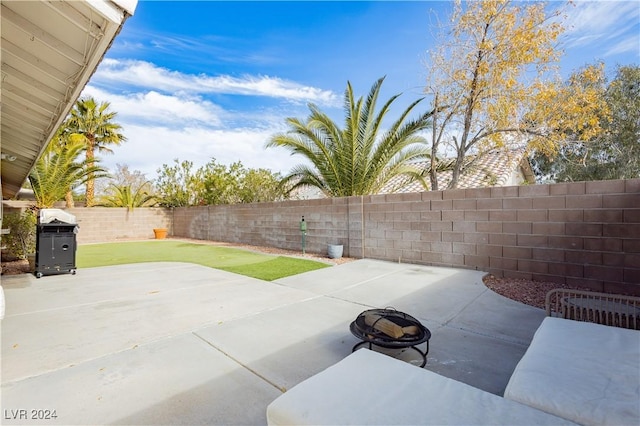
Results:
574 372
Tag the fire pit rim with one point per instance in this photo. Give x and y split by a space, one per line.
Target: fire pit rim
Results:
368 334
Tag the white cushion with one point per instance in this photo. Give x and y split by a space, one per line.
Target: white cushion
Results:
371 388
49 215
585 372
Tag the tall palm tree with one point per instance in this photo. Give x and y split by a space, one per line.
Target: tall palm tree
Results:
58 170
361 158
94 123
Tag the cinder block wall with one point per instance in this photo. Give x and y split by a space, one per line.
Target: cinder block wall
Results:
268 224
102 224
585 233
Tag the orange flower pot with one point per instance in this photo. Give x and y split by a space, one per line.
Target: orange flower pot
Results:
160 233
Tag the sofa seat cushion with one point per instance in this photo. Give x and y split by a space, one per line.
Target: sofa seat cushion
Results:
371 388
585 372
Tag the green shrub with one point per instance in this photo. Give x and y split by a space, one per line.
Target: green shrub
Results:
21 239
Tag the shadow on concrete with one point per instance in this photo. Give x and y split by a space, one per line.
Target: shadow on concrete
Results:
184 344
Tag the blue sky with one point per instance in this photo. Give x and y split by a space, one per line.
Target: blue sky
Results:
213 79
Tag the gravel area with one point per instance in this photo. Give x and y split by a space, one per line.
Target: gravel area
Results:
529 292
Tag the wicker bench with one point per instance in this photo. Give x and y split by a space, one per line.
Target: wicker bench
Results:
584 372
583 363
601 308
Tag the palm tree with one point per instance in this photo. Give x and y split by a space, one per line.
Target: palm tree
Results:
58 170
359 159
94 123
59 141
126 196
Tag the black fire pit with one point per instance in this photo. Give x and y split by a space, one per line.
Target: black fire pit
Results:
391 329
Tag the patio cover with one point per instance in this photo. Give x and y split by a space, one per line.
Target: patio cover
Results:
50 50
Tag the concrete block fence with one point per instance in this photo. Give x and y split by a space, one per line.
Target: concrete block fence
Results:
585 233
269 224
103 224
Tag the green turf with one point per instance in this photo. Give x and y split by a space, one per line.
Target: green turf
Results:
258 265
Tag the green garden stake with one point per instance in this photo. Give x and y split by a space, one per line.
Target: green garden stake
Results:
303 229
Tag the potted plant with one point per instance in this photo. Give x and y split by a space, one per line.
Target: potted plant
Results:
334 251
160 233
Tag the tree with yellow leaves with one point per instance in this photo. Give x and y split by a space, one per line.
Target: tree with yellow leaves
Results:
569 113
493 82
608 145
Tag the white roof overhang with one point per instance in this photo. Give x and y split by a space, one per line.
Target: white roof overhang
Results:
50 50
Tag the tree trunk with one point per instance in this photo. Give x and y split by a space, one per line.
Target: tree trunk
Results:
68 198
90 192
462 147
457 169
433 175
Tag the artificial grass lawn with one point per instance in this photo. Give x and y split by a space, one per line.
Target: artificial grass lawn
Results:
257 265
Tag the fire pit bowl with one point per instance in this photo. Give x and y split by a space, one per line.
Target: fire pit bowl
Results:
392 329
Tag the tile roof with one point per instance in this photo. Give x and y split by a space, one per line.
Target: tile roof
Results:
494 168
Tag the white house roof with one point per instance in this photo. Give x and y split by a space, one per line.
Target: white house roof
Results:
50 50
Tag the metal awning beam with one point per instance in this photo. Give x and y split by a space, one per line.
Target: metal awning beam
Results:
27 99
35 34
32 61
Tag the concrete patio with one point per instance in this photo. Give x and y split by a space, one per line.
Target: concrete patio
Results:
178 343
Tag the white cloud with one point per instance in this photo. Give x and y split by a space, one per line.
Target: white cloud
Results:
179 109
143 74
169 115
160 128
631 44
149 147
598 22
